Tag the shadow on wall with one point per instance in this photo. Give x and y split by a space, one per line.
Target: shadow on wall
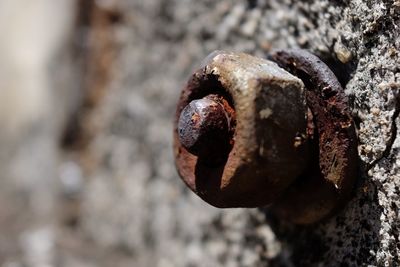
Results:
347 238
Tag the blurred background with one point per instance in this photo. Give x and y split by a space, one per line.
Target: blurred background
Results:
87 94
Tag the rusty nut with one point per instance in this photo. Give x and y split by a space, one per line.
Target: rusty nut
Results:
244 136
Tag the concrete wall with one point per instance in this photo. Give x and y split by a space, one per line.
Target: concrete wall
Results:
88 91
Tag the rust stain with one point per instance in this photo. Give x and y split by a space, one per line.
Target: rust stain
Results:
96 50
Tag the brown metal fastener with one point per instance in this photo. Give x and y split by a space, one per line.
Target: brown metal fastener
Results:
206 128
248 134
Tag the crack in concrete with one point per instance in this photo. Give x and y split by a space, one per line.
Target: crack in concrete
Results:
392 138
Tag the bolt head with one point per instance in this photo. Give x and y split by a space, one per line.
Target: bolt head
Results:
204 129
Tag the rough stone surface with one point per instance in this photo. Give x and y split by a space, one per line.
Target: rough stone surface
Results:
117 200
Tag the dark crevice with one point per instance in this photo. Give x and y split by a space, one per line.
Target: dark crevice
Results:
94 51
251 4
342 71
340 3
392 138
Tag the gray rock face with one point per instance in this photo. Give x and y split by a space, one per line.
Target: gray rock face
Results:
115 199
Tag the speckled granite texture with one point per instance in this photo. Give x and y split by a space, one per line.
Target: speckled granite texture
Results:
119 201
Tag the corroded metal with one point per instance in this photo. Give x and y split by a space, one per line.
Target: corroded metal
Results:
269 149
206 128
330 178
249 134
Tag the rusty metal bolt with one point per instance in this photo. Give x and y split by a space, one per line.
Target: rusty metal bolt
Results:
206 128
249 134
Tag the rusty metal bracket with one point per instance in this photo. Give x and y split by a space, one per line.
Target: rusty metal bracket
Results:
250 133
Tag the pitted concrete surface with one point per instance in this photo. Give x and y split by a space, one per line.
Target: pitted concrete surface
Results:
119 201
